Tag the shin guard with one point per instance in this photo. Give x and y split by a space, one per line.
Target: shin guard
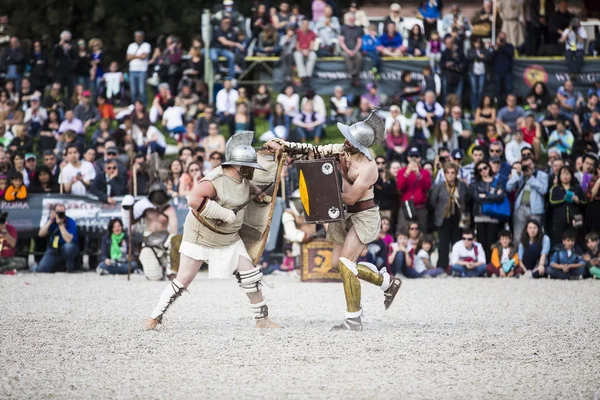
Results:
168 296
368 272
250 281
349 274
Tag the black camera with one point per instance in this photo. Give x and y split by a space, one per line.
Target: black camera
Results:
3 216
60 214
443 160
525 168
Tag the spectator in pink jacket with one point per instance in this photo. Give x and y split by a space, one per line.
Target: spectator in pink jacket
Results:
396 142
413 184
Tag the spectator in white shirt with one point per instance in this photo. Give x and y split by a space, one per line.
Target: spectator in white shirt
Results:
71 123
173 117
429 109
468 257
226 104
290 102
77 175
35 116
137 55
574 38
512 152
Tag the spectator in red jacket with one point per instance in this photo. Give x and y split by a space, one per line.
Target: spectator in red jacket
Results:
413 184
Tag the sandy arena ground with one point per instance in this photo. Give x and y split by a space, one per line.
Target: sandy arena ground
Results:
80 336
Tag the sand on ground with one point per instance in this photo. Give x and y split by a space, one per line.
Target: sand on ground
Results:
79 336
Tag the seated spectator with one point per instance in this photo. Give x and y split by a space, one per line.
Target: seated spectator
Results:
534 249
360 16
514 147
584 112
152 141
35 116
31 165
188 100
189 137
531 107
431 81
304 56
551 119
16 191
290 102
482 21
6 136
44 181
86 111
328 31
562 139
159 103
174 178
71 123
102 133
114 84
268 42
444 137
372 95
429 109
566 202
204 120
172 118
361 112
22 141
485 115
17 160
396 143
190 179
468 257
391 42
76 175
455 19
214 142
565 263
419 135
3 185
105 109
223 44
243 120
261 102
310 124
505 260
114 251
574 37
568 100
379 247
8 244
399 257
434 51
532 134
371 43
216 159
592 255
510 117
225 103
422 265
408 91
278 124
351 43
461 128
106 186
453 64
340 107
62 249
417 43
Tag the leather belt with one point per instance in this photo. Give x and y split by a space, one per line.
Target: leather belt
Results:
361 206
207 224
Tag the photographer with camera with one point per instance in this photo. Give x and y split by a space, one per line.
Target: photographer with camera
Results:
502 56
8 244
530 187
574 38
62 246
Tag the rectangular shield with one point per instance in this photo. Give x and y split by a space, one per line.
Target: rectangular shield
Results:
320 190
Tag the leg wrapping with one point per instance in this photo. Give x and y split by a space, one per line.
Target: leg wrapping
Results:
351 283
260 310
168 296
368 272
250 281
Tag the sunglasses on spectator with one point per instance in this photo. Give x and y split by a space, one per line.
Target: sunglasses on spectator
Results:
381 162
482 169
468 239
194 170
110 168
414 228
495 151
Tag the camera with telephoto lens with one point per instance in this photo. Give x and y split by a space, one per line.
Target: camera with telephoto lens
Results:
3 216
525 168
60 214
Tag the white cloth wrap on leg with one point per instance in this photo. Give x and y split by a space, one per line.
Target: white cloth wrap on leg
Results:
260 309
213 210
250 281
173 290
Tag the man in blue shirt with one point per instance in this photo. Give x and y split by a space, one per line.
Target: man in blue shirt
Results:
61 232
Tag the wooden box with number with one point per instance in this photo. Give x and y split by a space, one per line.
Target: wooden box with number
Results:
316 262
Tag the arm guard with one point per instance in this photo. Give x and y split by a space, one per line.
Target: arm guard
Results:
213 210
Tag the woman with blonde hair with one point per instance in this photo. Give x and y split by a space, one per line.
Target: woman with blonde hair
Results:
97 59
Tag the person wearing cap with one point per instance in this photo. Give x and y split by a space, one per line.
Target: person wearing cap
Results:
85 111
496 152
30 165
137 55
361 223
413 183
211 232
35 115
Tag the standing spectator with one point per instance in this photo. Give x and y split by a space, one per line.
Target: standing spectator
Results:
511 117
530 187
430 11
188 100
328 31
281 19
485 115
14 60
287 43
310 123
77 175
82 66
340 109
137 55
588 170
562 139
226 104
468 259
449 201
305 56
351 44
481 22
559 21
477 56
394 17
565 263
361 17
486 189
514 147
35 116
584 112
539 13
371 44
477 154
413 183
172 61
533 249
566 201
259 20
290 102
62 248
97 61
429 109
385 190
106 186
38 62
502 56
513 21
223 44
391 42
453 65
574 37
86 112
114 250
65 56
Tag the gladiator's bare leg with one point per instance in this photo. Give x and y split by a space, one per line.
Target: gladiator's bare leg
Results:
250 280
188 268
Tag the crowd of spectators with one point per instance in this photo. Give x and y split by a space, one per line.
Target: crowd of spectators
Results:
493 185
